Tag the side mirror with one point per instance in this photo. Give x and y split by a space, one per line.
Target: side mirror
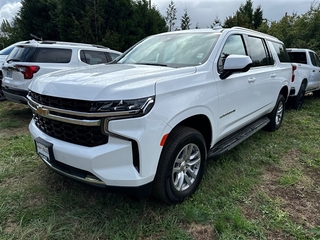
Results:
235 63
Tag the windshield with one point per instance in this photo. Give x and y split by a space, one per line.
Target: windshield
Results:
172 50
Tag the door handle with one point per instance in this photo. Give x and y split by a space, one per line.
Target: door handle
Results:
251 80
273 75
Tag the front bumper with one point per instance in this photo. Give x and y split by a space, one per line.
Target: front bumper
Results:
87 178
109 165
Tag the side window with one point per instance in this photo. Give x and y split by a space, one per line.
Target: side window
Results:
53 55
113 55
233 45
281 52
258 52
93 57
314 59
317 59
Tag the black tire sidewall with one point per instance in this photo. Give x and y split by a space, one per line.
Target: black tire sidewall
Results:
163 187
280 101
172 192
273 126
298 101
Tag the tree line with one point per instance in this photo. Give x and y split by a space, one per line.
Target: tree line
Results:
119 24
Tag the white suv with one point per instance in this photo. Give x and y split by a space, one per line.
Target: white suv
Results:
34 58
3 55
147 123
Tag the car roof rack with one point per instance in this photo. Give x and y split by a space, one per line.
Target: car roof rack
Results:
72 44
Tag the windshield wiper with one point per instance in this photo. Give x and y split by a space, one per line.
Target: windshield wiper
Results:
13 60
152 64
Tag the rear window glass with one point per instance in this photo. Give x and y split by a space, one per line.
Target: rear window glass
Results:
298 57
281 52
314 59
43 55
53 55
259 53
93 57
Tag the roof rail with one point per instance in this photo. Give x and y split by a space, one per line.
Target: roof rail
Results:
254 31
72 44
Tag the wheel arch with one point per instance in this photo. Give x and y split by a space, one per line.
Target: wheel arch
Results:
201 123
304 81
284 92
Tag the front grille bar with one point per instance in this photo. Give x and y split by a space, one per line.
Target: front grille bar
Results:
45 111
48 112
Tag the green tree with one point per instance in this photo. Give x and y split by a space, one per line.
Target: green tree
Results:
8 33
171 15
299 30
284 29
216 22
257 17
185 20
37 17
246 16
117 24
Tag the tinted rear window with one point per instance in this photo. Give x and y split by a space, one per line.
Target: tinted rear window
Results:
298 57
43 55
258 52
93 57
281 52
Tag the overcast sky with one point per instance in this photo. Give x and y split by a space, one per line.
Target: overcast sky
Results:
203 12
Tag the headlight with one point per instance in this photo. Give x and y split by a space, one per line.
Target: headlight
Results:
130 107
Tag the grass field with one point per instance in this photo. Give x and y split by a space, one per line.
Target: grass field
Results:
265 188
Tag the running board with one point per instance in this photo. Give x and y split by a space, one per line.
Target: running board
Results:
234 139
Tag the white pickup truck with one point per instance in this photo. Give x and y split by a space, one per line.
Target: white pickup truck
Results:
306 75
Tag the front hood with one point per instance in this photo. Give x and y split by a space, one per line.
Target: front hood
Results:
106 81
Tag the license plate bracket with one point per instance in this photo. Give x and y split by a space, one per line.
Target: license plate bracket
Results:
9 73
44 149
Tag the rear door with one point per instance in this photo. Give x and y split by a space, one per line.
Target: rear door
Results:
314 78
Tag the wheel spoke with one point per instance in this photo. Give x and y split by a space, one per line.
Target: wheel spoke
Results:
181 180
179 159
176 170
189 151
194 162
191 173
194 155
186 167
186 177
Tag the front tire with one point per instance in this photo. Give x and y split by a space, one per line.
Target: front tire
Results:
181 165
276 116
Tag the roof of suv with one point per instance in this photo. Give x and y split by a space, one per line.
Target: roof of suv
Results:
219 29
298 50
57 44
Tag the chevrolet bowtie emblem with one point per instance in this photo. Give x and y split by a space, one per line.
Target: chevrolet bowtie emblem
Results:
42 111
